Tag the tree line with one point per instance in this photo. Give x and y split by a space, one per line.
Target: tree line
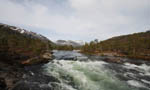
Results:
64 47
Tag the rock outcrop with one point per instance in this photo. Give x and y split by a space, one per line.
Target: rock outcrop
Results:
24 78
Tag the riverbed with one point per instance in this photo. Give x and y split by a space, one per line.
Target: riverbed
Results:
76 71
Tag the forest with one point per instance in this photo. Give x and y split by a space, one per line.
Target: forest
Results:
135 45
63 47
16 45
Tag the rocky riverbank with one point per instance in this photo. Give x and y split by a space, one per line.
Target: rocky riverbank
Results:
18 73
14 77
118 56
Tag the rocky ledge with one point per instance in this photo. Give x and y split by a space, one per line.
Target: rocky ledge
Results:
17 73
44 58
24 78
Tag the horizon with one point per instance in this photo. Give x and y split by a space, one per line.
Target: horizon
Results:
76 40
77 20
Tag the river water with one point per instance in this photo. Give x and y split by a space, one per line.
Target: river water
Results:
76 71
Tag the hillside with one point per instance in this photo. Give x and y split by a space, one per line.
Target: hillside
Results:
18 45
135 45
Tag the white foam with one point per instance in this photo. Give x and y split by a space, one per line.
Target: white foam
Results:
145 69
90 75
135 83
31 73
145 81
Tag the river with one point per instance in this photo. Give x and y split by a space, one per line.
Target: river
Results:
76 71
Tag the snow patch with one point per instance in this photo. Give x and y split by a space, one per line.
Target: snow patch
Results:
22 31
14 28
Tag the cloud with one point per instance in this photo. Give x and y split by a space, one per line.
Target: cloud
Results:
114 17
78 19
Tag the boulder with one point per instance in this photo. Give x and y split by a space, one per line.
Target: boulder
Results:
43 58
46 56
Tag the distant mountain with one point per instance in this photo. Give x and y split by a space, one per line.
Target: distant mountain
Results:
69 42
25 32
17 45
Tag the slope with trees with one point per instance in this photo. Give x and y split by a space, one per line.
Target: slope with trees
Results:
135 45
17 47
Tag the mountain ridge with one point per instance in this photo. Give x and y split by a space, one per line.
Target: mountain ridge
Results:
69 42
25 32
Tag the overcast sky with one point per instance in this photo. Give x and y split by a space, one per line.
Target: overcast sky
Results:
77 19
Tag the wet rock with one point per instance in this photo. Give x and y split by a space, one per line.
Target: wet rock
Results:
41 78
31 61
2 84
37 82
24 78
69 58
30 86
113 60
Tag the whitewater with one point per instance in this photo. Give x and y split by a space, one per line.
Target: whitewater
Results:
76 71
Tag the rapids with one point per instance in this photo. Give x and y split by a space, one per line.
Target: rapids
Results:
76 71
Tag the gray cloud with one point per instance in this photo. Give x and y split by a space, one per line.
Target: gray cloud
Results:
79 19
